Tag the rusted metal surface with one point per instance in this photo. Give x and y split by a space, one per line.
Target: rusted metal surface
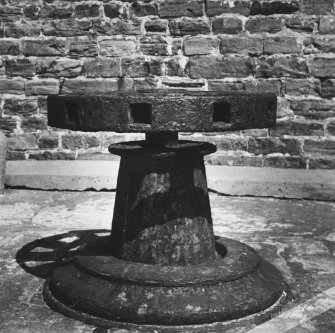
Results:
162 110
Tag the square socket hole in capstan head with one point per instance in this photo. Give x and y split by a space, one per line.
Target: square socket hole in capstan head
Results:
221 112
141 113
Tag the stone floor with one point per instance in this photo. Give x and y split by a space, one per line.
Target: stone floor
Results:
38 227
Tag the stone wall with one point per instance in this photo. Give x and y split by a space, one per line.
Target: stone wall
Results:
287 47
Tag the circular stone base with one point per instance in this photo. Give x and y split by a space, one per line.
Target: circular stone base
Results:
113 293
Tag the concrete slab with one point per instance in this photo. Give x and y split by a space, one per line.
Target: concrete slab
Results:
39 227
102 175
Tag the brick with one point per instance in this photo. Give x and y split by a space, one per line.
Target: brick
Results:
226 25
328 88
200 45
259 24
117 27
274 145
102 67
15 107
322 163
297 128
41 87
33 124
44 47
156 25
9 47
134 66
221 66
322 66
241 45
86 10
89 86
176 8
320 7
14 86
145 9
66 28
319 147
301 86
112 47
19 29
21 67
48 140
83 47
58 68
273 7
22 142
314 108
327 25
331 127
293 162
218 7
154 45
112 10
282 44
282 66
188 26
301 23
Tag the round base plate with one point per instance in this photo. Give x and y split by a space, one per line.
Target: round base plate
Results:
112 293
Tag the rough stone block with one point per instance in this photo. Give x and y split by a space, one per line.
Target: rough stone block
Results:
282 44
9 47
314 108
112 10
114 47
88 86
297 128
156 25
134 66
226 25
16 107
44 47
301 23
241 45
102 67
19 29
87 10
83 47
322 66
145 9
42 87
175 8
14 86
59 68
176 66
263 86
221 66
34 123
274 145
319 147
117 27
282 66
200 45
315 44
328 88
320 7
3 151
8 124
21 67
327 25
331 127
57 10
66 27
22 142
218 7
321 163
260 24
266 7
154 45
292 162
48 140
188 26
301 86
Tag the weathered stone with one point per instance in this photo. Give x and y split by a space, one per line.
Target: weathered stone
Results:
19 29
316 44
154 45
112 10
200 45
274 145
327 25
102 67
321 163
261 86
134 66
273 7
44 47
226 25
322 66
259 24
21 67
241 45
297 128
59 10
33 124
83 47
282 44
282 66
188 26
60 68
48 140
144 9
117 27
292 162
22 142
175 8
88 86
8 124
41 87
176 66
52 155
319 147
66 28
321 7
331 128
301 86
218 7
300 23
113 47
14 86
17 107
9 47
86 10
156 25
79 141
3 149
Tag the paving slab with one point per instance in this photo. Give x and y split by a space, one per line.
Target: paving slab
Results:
102 175
37 228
